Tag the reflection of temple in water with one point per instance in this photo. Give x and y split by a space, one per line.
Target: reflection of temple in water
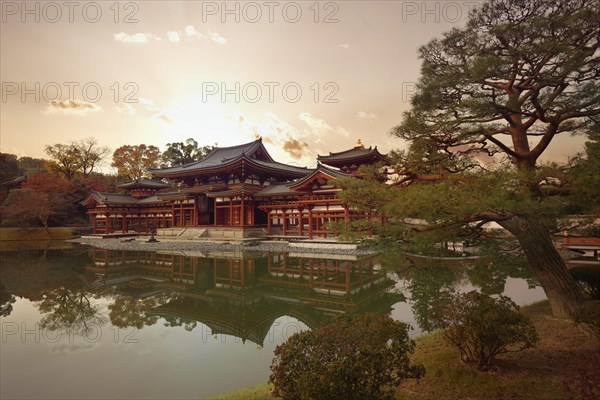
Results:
242 294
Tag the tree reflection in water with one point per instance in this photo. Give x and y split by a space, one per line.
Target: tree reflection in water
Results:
427 282
6 301
70 310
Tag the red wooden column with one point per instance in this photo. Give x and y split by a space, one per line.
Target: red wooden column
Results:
300 220
230 212
181 214
310 222
269 221
284 229
242 213
195 212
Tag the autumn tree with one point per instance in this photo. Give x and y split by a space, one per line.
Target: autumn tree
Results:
53 196
519 74
9 167
18 207
133 162
75 158
30 166
179 153
43 197
90 154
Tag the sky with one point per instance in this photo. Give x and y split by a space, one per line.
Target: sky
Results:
308 77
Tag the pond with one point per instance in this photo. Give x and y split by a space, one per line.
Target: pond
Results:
84 323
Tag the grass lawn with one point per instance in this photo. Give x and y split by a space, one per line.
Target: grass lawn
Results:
32 234
564 365
16 239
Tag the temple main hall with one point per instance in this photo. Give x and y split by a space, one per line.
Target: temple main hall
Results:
240 188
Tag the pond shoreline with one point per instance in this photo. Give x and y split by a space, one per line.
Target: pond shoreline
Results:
194 245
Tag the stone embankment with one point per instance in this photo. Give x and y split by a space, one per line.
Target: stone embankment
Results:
139 244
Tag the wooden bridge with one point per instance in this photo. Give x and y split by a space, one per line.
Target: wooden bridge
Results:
590 245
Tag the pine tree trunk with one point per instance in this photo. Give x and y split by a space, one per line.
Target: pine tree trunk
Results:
561 289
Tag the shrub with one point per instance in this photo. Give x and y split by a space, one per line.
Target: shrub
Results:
481 327
589 280
355 357
589 315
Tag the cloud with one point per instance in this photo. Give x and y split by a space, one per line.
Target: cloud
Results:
295 148
190 31
345 46
342 131
317 126
78 107
366 115
73 348
215 37
126 109
164 118
173 37
146 102
136 37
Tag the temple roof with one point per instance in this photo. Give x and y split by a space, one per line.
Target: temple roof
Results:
144 183
321 171
291 188
13 182
276 189
356 155
116 198
236 191
222 159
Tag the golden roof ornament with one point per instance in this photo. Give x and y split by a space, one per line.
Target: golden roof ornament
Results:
359 143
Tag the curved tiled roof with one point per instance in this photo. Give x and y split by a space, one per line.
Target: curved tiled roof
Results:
144 183
110 198
357 153
333 173
218 157
277 189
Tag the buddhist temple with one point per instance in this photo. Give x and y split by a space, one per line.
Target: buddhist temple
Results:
239 188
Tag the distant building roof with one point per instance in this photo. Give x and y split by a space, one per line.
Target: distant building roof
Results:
355 156
109 198
15 182
144 183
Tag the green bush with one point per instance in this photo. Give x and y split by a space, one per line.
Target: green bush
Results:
589 315
482 327
588 279
355 357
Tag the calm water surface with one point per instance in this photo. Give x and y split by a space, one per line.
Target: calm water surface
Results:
86 323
